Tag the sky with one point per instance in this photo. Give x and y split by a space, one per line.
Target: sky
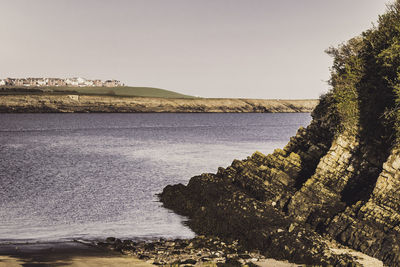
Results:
209 48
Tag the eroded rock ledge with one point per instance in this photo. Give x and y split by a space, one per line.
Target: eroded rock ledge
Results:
295 203
336 181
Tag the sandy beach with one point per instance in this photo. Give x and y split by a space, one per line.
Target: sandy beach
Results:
80 255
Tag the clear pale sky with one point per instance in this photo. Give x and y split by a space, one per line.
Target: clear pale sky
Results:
209 48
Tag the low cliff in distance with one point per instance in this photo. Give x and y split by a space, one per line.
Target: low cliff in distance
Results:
336 184
88 103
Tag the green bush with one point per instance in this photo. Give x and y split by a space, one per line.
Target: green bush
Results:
365 78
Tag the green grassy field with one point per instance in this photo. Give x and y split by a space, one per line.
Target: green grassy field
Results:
124 91
109 91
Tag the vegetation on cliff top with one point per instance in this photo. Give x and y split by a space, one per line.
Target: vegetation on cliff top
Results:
365 78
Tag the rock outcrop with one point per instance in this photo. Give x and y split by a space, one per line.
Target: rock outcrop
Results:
335 182
185 252
211 251
86 103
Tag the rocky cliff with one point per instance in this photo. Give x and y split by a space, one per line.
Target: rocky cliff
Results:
85 103
336 183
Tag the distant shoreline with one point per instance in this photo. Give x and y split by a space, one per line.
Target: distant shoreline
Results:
74 103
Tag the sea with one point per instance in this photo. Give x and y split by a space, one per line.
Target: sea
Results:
91 176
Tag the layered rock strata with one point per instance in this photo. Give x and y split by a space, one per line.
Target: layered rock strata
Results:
293 203
336 181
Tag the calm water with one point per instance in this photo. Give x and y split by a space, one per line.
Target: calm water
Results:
65 176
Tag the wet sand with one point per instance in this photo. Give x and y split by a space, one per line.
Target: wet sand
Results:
63 254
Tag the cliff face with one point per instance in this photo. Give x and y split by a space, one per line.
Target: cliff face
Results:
336 182
294 203
75 103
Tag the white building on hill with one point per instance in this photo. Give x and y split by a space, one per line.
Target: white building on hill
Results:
73 82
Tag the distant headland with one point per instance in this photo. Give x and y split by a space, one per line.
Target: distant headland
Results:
83 95
72 102
70 82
